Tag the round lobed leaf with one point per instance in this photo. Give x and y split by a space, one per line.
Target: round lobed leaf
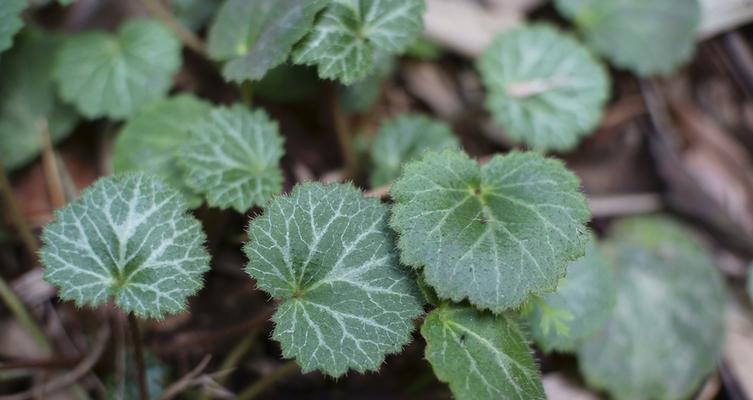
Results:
128 238
481 355
10 21
233 158
151 141
493 234
581 305
647 37
327 254
106 75
404 139
349 32
667 329
544 88
27 96
257 35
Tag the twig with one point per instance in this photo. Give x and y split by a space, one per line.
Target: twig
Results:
235 355
73 375
342 129
6 193
138 349
188 38
629 204
264 383
379 192
214 336
186 381
24 317
50 164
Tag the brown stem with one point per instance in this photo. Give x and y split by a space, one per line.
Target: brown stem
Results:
6 193
50 164
138 349
342 129
188 38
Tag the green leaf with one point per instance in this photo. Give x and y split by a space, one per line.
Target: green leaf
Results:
128 238
349 33
580 306
493 234
327 254
194 14
481 355
151 141
27 97
404 139
544 88
106 75
647 37
257 35
667 329
10 21
233 158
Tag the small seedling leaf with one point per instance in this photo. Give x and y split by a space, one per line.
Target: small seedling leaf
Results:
254 36
494 233
326 253
544 88
647 37
106 75
127 238
152 138
667 328
27 97
579 308
233 158
481 355
404 139
349 32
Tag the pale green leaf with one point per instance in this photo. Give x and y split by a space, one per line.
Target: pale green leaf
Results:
106 75
667 329
326 253
349 33
232 158
128 238
404 139
579 308
481 355
27 97
544 88
254 36
10 21
494 233
647 37
152 138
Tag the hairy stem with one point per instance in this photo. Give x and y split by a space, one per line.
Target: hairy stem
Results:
188 38
18 309
138 350
265 382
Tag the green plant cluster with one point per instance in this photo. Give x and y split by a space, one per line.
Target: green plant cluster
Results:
491 254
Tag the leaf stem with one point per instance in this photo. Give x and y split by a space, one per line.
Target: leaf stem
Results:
138 350
24 317
265 382
50 165
6 194
342 129
188 38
